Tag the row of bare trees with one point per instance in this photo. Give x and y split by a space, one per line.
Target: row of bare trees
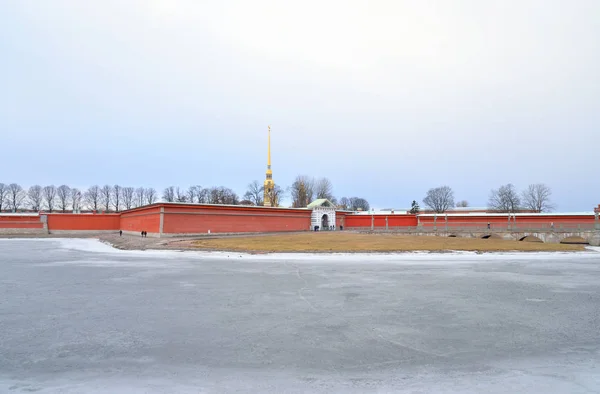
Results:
305 189
202 195
536 198
118 198
507 199
63 198
354 204
255 195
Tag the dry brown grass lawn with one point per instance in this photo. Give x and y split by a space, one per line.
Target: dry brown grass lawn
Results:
353 242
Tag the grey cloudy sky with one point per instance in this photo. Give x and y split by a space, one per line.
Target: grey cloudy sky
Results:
386 98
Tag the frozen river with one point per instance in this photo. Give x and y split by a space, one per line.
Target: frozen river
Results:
79 317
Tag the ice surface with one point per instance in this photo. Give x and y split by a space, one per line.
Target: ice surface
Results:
79 316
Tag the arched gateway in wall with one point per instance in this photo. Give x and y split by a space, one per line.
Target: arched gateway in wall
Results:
323 215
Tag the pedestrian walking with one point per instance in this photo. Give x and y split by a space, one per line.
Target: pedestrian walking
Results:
120 233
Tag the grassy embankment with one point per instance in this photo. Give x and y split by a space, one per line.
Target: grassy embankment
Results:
353 242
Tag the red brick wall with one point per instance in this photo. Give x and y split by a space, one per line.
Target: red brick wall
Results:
358 221
190 219
340 219
198 219
83 222
524 220
19 221
364 221
141 219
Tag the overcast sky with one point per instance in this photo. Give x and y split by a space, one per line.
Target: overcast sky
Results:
385 98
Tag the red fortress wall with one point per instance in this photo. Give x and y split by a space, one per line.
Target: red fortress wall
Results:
59 222
200 219
540 221
21 222
378 220
142 219
170 219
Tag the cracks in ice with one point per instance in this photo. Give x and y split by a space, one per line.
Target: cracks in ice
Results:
377 336
560 378
304 288
395 343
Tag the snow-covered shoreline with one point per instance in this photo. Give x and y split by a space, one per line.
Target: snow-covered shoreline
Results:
94 245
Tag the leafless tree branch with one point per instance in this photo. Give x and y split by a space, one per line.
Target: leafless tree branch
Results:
50 197
63 193
505 199
439 199
35 197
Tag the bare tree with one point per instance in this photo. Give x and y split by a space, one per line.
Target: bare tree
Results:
214 195
106 197
255 193
324 189
462 204
128 197
64 194
537 198
16 195
231 197
354 204
117 198
34 197
344 203
191 193
180 195
3 195
76 199
275 195
223 195
140 196
50 197
504 199
302 191
203 196
169 194
151 195
359 203
439 199
92 197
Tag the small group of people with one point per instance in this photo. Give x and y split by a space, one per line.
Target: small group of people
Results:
144 234
331 228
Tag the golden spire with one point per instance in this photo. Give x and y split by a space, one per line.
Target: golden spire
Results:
269 159
269 184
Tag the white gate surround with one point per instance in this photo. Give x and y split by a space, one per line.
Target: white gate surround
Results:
317 215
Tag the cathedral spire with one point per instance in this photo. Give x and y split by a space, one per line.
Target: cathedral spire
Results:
269 150
269 197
